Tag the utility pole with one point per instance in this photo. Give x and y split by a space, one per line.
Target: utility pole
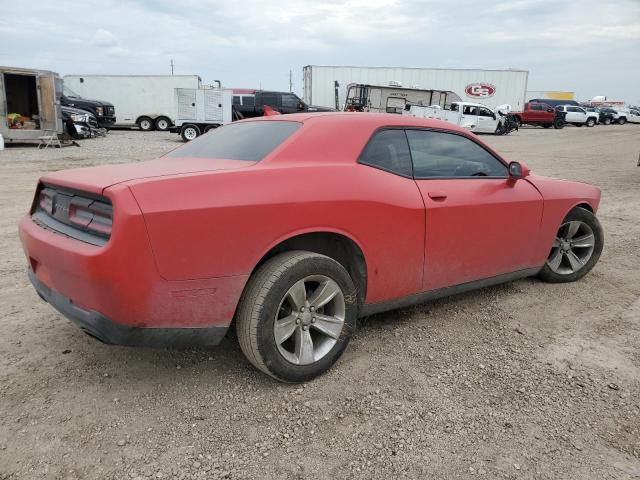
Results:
172 66
290 81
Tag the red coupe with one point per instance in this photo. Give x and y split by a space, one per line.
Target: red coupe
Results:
291 227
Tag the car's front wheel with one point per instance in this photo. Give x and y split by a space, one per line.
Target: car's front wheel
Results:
297 315
576 248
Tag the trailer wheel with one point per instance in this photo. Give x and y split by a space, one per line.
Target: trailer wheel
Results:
145 124
163 124
189 132
210 127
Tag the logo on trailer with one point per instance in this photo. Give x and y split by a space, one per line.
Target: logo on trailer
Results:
480 90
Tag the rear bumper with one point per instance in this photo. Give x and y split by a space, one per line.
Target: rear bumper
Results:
107 331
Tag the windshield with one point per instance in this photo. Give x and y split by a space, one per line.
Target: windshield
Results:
69 93
250 141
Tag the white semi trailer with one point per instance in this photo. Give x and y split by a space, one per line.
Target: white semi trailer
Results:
489 87
146 101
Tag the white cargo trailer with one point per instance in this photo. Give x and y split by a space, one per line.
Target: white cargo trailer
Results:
146 101
489 87
200 110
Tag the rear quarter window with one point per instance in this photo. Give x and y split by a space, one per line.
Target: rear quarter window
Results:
251 141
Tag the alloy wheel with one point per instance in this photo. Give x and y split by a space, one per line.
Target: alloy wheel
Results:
309 319
572 248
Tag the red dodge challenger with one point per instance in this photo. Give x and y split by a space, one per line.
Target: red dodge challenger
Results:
291 227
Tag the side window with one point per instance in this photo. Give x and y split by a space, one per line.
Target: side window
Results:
270 99
236 100
454 107
484 112
536 107
395 105
290 101
249 101
388 150
439 154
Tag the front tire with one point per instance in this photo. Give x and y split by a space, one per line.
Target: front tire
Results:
622 120
558 124
591 122
296 315
576 249
607 121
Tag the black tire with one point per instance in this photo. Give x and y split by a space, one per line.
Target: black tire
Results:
547 125
607 121
622 120
210 127
145 124
591 122
189 132
559 124
162 124
259 306
585 216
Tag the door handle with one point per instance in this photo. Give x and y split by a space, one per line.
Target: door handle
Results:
437 196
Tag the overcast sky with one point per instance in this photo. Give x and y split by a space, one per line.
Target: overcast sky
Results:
591 47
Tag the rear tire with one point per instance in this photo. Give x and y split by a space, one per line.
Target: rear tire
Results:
288 342
583 248
145 124
189 132
622 120
162 124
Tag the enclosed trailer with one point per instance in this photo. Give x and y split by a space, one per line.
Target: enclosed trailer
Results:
489 87
29 104
146 101
201 109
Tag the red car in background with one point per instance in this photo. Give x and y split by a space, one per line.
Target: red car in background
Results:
292 227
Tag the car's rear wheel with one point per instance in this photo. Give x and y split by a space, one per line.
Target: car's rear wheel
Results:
622 120
297 315
576 248
145 124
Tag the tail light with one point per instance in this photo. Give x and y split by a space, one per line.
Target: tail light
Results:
80 215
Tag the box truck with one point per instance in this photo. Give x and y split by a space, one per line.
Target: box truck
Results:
145 101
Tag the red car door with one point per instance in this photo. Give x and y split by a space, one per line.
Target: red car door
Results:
479 223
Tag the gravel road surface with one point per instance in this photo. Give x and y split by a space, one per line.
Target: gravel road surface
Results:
523 380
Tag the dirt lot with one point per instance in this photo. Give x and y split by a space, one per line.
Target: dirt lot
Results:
524 380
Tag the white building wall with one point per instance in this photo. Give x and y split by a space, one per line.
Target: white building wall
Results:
510 85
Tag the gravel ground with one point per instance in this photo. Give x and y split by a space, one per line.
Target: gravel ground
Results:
524 380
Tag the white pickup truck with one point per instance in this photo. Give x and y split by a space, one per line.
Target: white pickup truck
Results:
578 116
475 117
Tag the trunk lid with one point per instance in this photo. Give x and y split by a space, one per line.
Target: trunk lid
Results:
97 179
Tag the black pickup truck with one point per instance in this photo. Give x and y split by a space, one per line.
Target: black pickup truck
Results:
250 103
104 112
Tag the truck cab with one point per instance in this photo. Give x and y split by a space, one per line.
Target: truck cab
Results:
250 103
104 112
535 113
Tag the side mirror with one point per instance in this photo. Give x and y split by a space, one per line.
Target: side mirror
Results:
515 171
301 105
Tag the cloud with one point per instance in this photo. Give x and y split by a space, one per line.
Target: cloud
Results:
563 44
